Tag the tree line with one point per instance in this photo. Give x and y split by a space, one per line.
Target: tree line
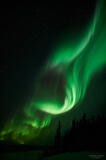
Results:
85 134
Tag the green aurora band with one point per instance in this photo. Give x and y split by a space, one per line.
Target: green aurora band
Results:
64 80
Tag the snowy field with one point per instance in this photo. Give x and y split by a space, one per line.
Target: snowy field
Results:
38 155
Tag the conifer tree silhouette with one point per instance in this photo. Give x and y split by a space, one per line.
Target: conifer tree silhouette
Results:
58 137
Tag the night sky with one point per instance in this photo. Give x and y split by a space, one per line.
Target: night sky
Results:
30 34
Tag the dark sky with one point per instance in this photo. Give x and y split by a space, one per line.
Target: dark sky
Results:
28 32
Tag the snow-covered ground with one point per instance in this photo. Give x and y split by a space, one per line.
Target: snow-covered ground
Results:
77 156
38 155
30 155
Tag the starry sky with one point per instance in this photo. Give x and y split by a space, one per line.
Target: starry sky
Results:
36 37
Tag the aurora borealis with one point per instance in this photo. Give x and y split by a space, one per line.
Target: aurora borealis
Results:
61 85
